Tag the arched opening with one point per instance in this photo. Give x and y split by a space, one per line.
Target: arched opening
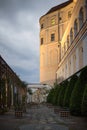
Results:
75 27
80 57
81 17
74 63
67 41
71 35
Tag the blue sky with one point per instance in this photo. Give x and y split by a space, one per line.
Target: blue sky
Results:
19 35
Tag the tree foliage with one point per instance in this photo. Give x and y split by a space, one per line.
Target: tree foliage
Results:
77 93
84 102
50 96
68 91
62 92
56 92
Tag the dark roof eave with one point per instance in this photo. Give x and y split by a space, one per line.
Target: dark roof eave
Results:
58 7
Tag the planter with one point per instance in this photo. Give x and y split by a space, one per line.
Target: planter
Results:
64 113
18 110
18 113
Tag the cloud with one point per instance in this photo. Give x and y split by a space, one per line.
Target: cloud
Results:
19 35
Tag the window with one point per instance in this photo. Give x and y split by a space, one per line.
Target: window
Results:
42 26
69 14
41 41
74 63
53 21
81 17
75 27
67 41
52 37
71 35
81 57
65 47
60 16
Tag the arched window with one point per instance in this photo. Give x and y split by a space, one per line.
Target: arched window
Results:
81 17
81 57
62 51
65 47
67 41
86 8
75 27
69 67
74 63
71 35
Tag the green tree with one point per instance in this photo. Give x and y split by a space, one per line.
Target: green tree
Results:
56 92
77 93
50 96
84 102
63 87
68 91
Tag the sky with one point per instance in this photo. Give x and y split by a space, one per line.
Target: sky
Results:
19 35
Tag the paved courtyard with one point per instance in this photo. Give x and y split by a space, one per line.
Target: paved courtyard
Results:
43 118
36 118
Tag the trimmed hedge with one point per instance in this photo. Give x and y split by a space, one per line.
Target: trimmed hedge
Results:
69 90
50 96
84 102
63 87
72 94
56 89
77 93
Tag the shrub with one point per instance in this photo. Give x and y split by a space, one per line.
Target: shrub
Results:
63 87
84 102
68 91
56 92
50 96
77 93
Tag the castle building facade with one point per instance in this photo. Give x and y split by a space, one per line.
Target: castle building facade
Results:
63 41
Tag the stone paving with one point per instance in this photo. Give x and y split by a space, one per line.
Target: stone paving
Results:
43 118
36 118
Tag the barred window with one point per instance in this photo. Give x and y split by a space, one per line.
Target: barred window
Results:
52 37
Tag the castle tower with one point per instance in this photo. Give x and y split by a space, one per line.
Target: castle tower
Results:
52 27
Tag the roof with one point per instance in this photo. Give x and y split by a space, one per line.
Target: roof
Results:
55 8
59 6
